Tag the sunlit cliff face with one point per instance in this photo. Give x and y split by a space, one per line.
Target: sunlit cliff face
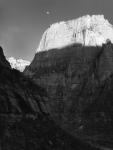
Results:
87 30
18 64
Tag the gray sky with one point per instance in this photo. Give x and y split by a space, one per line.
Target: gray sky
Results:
22 22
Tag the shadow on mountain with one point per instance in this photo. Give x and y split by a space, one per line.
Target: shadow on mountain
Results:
79 84
24 120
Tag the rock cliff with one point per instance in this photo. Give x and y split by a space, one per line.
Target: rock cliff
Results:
24 123
79 84
87 30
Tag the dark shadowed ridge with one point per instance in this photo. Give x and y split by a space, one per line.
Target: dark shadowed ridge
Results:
17 93
79 84
24 123
3 60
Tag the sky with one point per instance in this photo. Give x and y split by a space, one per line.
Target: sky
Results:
22 22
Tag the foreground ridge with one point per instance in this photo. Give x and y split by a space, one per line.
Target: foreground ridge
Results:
79 83
24 124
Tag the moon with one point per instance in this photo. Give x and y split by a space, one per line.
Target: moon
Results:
48 12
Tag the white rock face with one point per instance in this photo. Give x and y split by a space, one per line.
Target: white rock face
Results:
18 64
87 30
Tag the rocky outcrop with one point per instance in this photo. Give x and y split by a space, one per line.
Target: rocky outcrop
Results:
3 60
87 30
78 81
18 64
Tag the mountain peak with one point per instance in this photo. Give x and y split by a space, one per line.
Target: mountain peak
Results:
3 61
18 64
88 30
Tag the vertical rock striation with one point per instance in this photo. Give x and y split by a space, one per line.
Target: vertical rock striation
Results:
78 83
87 30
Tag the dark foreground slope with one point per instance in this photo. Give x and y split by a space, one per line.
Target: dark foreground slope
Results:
24 123
40 133
79 84
17 93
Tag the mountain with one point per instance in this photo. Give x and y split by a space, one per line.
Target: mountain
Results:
18 64
79 83
24 119
87 30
